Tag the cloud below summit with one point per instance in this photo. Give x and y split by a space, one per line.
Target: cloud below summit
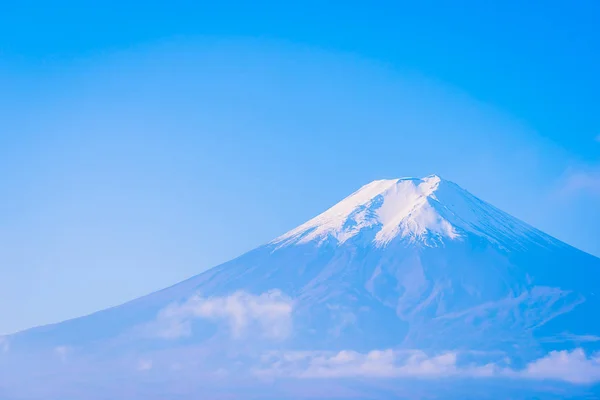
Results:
268 314
568 366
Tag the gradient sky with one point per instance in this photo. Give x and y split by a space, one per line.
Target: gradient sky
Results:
141 143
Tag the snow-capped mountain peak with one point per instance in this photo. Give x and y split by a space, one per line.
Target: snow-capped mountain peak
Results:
429 210
404 278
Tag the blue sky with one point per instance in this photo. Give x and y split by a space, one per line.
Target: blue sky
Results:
141 143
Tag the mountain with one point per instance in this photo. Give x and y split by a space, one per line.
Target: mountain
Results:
407 287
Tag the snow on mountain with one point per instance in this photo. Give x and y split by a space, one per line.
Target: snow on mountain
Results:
403 279
428 210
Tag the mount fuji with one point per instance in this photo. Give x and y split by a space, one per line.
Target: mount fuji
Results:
407 288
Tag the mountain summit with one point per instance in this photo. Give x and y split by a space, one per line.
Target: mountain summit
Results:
428 210
405 279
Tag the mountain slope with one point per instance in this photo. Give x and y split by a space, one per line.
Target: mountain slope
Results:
403 278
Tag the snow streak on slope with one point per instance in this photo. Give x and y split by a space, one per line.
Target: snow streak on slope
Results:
428 210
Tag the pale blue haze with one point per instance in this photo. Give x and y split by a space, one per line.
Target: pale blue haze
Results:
142 143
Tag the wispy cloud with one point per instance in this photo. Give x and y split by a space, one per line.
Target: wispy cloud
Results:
386 363
581 181
570 366
569 337
270 312
375 364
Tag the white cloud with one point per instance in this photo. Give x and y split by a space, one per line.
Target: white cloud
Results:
270 312
171 327
574 366
570 366
375 364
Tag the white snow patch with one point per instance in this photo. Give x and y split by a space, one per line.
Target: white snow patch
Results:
332 221
405 212
428 210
